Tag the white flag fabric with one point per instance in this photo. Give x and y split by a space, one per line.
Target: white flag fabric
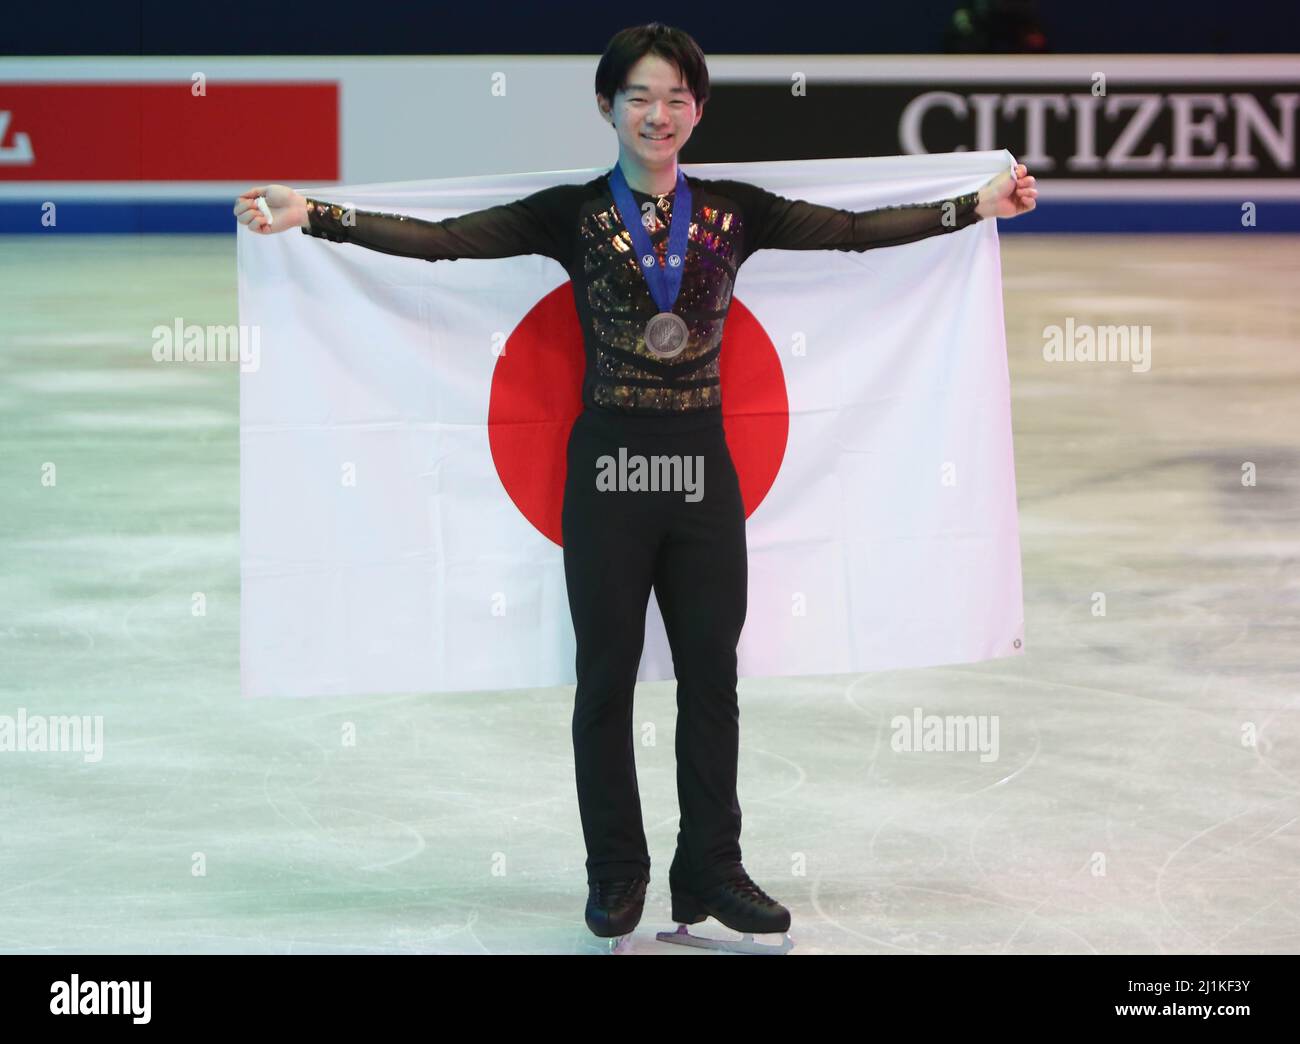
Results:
399 524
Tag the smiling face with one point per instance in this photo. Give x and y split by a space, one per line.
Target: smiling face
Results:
653 116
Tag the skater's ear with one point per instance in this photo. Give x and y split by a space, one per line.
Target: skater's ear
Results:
605 106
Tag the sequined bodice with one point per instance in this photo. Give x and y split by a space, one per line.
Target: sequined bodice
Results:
628 375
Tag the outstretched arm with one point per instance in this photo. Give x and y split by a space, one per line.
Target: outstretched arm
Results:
777 223
798 225
774 222
536 224
526 226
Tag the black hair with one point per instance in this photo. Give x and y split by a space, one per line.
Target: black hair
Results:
630 45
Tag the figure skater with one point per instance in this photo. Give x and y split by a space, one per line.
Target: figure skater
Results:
653 254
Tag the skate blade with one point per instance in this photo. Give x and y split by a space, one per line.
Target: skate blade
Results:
746 944
620 944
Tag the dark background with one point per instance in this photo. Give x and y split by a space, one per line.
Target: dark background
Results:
168 27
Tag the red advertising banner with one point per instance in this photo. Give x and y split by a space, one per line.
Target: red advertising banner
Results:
116 131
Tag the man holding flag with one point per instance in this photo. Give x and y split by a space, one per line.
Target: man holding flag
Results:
652 254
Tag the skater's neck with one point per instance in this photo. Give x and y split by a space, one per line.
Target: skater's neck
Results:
658 180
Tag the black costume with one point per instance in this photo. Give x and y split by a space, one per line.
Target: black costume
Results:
620 544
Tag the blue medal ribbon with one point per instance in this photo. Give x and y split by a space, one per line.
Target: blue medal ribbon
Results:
664 283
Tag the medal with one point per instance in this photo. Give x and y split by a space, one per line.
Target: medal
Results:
666 333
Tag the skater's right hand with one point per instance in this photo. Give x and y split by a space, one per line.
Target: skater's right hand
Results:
288 209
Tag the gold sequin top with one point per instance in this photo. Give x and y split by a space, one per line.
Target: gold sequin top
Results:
579 226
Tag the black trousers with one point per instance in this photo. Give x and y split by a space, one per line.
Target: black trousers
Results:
618 545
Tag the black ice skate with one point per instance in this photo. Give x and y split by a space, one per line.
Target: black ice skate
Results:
737 903
614 910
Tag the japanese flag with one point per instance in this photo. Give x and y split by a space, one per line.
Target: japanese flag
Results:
403 426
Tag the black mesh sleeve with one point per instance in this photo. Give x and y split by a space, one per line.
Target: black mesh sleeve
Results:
532 225
774 222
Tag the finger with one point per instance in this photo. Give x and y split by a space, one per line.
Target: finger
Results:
253 193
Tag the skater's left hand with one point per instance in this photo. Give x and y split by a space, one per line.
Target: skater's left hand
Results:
1008 195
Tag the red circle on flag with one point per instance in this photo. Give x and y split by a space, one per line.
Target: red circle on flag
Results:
537 395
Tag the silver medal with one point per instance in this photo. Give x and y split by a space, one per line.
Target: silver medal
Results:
666 335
